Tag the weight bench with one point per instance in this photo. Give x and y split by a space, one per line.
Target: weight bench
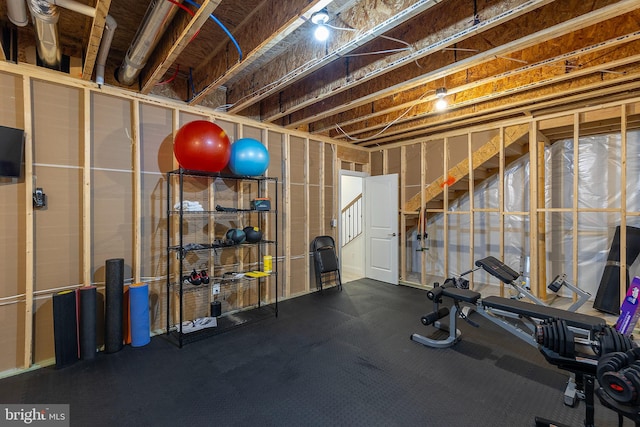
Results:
507 275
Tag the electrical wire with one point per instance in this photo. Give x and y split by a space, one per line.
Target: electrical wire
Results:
221 25
391 123
170 79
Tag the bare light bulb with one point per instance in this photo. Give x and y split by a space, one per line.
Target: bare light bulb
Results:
441 104
321 33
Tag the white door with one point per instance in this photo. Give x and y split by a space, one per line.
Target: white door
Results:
381 227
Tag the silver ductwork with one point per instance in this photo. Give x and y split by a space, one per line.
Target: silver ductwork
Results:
45 20
156 20
107 38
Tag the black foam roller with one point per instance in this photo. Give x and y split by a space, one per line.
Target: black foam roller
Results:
87 317
608 297
65 332
114 289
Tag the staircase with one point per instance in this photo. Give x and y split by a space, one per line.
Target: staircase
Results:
459 173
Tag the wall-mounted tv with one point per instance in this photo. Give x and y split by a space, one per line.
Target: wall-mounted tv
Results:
11 151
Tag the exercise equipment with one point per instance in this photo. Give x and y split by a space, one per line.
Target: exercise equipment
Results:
87 317
608 296
114 290
236 235
139 309
249 157
510 277
253 234
618 374
65 335
202 145
327 267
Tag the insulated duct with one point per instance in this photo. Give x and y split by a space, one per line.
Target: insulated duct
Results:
156 20
45 20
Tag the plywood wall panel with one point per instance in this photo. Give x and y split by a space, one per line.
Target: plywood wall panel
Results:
153 225
43 345
156 139
315 162
57 126
11 341
297 157
275 154
112 219
297 221
12 245
377 163
58 229
111 145
11 101
298 275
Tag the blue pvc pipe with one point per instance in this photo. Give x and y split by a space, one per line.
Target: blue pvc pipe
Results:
221 25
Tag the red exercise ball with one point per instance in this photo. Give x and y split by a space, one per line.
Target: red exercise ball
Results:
203 146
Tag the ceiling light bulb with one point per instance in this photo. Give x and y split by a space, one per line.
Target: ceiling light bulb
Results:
321 17
441 104
321 33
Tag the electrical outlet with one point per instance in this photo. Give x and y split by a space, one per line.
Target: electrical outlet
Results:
215 289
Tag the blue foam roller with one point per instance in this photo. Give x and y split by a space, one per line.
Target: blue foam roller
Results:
139 306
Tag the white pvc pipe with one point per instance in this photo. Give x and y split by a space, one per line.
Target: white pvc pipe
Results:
17 12
76 7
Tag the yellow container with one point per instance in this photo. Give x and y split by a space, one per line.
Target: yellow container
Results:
267 263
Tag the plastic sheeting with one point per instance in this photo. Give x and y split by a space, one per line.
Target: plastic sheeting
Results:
599 172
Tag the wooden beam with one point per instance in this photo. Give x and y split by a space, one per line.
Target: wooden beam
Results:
480 70
173 42
29 260
95 37
308 56
256 37
86 187
461 170
367 81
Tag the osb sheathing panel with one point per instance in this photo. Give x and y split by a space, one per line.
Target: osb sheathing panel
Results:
298 275
58 229
156 139
111 133
353 155
297 224
296 160
57 125
112 219
11 338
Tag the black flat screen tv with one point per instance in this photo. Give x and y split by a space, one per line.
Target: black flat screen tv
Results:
11 151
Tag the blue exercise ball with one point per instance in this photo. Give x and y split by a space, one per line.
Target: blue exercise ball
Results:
249 157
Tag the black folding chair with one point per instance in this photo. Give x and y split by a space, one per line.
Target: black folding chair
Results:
326 262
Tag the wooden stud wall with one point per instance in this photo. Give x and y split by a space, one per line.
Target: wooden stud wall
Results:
122 164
